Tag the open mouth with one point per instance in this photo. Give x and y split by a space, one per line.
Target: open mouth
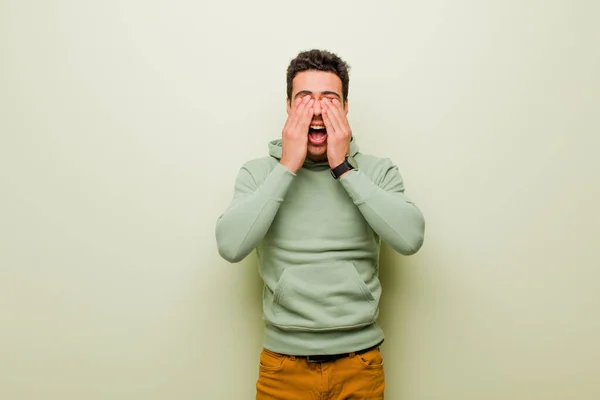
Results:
317 134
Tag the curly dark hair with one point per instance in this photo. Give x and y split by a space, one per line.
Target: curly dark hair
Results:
319 60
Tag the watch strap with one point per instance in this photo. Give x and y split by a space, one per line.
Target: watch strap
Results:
341 169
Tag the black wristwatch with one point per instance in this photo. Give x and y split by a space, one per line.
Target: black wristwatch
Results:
348 164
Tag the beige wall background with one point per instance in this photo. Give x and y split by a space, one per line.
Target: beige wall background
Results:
122 128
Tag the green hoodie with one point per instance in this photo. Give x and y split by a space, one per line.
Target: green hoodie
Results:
317 240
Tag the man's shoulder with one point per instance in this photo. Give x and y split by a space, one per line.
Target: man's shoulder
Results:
260 163
260 167
373 163
378 168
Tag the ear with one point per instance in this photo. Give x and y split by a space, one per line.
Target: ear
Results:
287 106
346 107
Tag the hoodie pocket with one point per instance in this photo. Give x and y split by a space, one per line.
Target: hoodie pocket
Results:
322 297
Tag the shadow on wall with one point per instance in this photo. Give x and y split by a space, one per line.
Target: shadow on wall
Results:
398 276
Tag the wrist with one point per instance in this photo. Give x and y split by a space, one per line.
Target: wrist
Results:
293 168
344 174
334 162
341 169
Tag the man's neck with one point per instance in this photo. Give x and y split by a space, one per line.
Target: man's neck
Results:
317 159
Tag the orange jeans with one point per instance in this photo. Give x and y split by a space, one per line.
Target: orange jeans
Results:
354 377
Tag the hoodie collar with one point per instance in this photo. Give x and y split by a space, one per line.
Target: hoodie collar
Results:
275 151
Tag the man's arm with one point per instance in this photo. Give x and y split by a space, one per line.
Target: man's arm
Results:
381 201
248 218
388 211
254 205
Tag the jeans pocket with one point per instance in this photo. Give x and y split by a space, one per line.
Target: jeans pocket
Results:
371 359
271 361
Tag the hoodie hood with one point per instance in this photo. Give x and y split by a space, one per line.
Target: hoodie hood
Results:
275 151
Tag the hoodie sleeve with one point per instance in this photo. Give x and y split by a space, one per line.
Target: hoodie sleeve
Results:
382 202
250 214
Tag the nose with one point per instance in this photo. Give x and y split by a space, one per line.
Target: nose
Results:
317 107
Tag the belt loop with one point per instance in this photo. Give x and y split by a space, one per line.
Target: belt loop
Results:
293 358
351 355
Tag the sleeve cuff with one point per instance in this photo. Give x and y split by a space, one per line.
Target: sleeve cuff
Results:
277 183
359 186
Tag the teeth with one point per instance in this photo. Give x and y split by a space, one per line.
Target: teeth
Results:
317 127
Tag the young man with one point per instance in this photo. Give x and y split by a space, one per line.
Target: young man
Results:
316 210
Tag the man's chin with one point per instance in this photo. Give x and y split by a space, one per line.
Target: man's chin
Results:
317 154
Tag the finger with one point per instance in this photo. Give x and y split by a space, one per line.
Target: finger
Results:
296 103
306 116
309 115
342 115
305 100
337 104
299 110
302 99
337 110
328 125
333 114
291 120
